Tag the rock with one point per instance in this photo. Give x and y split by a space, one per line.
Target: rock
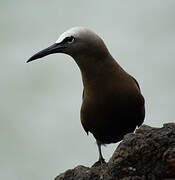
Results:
147 154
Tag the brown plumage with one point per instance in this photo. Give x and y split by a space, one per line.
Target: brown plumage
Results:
112 102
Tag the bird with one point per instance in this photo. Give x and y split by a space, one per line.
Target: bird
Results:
112 102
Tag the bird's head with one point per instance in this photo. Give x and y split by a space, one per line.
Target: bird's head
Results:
76 42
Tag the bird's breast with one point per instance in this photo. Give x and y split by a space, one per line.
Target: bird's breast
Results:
104 108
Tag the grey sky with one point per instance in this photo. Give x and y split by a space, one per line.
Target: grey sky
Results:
40 131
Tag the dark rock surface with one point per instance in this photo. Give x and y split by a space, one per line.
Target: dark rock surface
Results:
147 154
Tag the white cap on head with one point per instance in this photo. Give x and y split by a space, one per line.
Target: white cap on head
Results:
75 31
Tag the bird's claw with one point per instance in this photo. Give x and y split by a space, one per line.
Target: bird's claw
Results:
100 162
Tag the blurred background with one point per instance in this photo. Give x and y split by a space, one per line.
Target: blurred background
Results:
40 131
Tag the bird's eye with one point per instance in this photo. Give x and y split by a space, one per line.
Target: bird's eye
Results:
69 39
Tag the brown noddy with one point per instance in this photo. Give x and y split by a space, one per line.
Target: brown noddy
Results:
112 101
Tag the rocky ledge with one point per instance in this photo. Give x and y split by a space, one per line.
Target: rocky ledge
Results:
147 154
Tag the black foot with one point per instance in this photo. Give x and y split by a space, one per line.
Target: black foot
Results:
100 162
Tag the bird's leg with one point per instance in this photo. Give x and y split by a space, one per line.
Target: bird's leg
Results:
101 159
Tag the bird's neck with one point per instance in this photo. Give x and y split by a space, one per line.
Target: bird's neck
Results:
93 68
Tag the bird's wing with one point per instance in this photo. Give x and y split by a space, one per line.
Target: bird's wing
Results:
136 82
142 119
83 94
84 127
